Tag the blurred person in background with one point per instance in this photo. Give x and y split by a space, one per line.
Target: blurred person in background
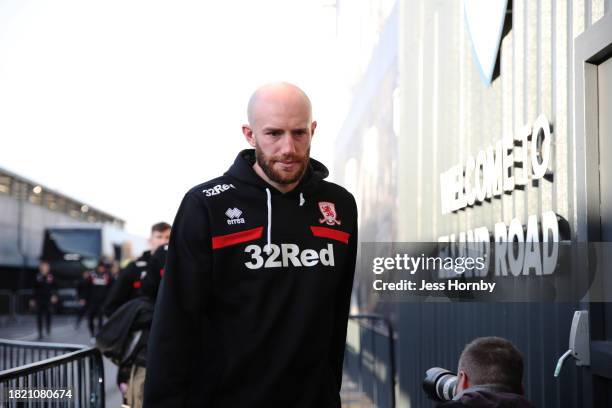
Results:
126 254
129 280
150 285
97 288
82 297
155 272
114 272
128 286
45 296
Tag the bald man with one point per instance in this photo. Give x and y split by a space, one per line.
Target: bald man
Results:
253 306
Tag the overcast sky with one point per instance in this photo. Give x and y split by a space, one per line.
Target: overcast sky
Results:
127 104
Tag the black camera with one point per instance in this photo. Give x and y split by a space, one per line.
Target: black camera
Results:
440 384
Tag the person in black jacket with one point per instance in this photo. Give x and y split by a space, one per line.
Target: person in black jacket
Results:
127 287
253 305
44 297
155 272
131 376
128 284
490 376
83 296
99 281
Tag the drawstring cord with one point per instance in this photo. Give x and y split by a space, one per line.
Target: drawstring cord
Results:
268 247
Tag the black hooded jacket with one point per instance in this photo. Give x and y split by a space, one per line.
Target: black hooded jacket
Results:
487 397
44 288
128 284
235 326
123 338
155 271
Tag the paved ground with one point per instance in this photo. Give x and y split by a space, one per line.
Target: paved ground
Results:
352 397
63 331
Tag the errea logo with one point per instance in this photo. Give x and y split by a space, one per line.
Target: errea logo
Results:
234 216
218 189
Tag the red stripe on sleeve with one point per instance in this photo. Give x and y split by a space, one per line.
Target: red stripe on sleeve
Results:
331 233
221 241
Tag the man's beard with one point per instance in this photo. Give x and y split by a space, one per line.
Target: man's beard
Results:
266 163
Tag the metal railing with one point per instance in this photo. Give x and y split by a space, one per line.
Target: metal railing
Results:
370 358
14 305
21 301
50 366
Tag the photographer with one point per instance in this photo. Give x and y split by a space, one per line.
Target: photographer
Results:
490 375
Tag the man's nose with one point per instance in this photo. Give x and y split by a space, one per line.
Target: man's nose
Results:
288 145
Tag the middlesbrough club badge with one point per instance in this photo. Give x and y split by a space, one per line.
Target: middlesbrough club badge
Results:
329 213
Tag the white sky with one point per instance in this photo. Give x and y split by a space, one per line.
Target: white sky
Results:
127 104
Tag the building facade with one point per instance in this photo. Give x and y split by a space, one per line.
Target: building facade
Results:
27 209
427 121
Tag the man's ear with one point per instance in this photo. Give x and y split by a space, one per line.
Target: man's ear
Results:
247 131
313 126
463 381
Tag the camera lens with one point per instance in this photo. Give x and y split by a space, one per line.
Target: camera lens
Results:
440 384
